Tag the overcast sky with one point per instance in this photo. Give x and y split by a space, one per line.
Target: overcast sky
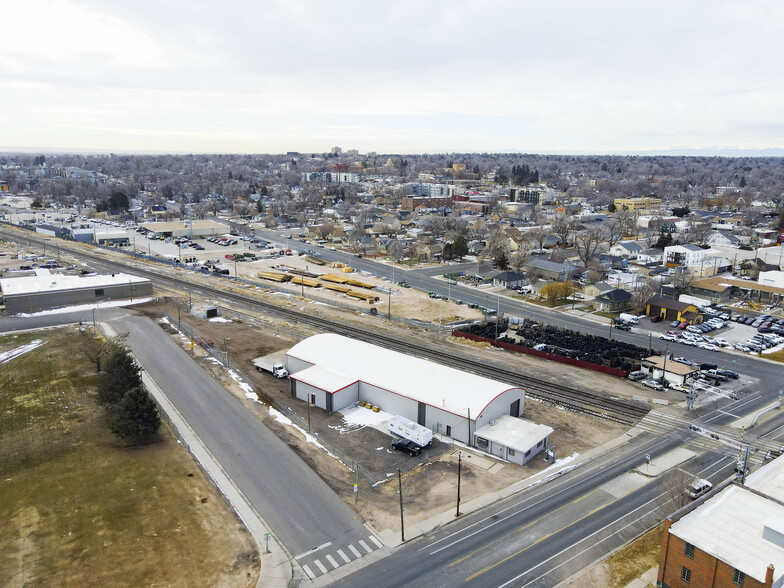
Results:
405 76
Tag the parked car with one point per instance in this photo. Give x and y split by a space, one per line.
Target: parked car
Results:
668 337
674 324
637 375
708 347
408 446
656 319
651 383
728 373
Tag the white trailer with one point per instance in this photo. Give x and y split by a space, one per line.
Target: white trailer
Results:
273 363
629 318
402 427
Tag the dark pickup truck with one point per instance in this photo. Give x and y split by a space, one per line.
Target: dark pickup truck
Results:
406 445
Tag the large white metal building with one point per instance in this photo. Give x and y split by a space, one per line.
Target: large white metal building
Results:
333 372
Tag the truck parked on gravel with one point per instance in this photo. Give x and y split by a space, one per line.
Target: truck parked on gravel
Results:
272 364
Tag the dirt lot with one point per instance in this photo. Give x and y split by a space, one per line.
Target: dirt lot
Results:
82 510
430 481
406 302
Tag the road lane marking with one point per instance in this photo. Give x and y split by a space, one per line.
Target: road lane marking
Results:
331 560
636 519
376 541
355 551
548 489
308 572
344 556
528 524
469 578
365 545
314 550
320 566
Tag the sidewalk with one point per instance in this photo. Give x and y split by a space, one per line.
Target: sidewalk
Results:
391 537
276 566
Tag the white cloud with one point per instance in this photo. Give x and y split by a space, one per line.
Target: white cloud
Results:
408 76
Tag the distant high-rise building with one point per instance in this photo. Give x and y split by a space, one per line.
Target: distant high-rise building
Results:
336 151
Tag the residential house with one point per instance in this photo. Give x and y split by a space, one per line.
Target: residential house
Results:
626 249
550 269
722 239
508 279
650 256
683 255
596 289
616 300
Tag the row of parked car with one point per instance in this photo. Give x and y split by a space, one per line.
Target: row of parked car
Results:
764 324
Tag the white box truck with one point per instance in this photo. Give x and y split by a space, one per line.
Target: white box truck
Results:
402 427
273 363
629 318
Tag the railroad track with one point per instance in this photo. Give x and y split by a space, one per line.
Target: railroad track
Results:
614 409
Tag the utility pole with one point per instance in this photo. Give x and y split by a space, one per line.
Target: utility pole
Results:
457 514
400 487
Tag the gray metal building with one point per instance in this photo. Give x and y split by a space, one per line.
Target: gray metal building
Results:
46 290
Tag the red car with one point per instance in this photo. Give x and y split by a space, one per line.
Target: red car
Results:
656 319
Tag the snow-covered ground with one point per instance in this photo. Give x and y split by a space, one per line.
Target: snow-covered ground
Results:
6 356
358 417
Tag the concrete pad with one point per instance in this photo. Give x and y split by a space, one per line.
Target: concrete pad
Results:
624 484
665 462
476 460
495 468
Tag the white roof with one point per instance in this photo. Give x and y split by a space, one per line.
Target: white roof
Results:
514 433
45 281
434 384
323 378
730 525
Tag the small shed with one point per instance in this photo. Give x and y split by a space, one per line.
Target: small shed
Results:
673 372
205 311
513 439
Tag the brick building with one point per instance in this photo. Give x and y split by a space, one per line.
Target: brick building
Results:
733 536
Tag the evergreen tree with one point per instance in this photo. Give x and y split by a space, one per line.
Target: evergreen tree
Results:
135 417
501 261
120 375
460 246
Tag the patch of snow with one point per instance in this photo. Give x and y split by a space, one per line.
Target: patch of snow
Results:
252 395
364 417
220 319
164 321
7 356
281 418
82 307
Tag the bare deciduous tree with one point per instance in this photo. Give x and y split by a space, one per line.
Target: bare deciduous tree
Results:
589 244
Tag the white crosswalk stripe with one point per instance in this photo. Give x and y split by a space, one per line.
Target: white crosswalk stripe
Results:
331 560
355 551
308 572
343 555
376 541
320 566
365 545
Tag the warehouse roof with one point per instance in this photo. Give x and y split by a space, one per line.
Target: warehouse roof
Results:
164 227
742 526
348 360
514 433
45 281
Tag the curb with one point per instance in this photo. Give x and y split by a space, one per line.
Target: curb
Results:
277 566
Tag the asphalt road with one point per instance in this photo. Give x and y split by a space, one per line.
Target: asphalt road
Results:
542 535
300 507
771 375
